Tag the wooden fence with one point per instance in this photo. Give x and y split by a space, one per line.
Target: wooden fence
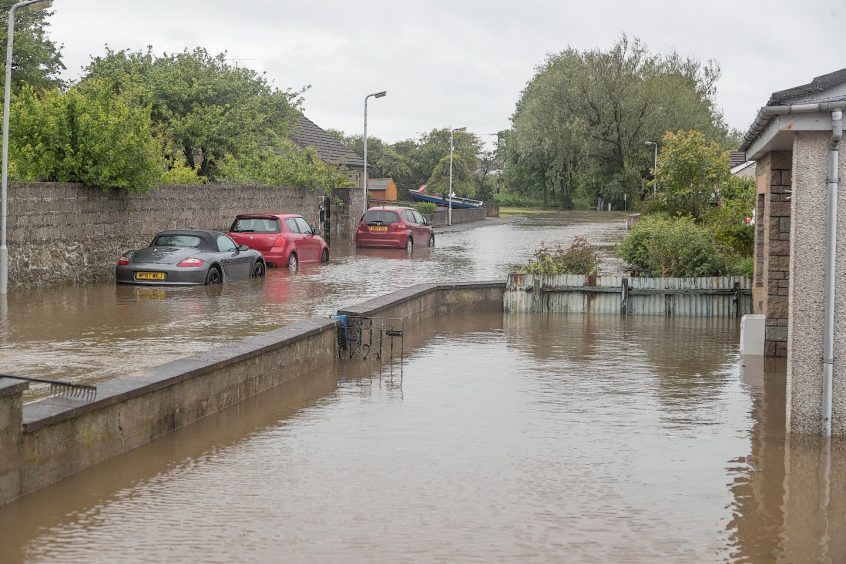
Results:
689 297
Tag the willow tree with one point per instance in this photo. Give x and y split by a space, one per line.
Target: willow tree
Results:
581 123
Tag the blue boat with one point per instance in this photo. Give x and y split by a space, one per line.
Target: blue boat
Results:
438 199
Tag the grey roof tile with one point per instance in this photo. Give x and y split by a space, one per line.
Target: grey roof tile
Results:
306 133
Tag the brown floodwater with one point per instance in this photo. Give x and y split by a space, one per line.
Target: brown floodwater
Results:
91 333
545 438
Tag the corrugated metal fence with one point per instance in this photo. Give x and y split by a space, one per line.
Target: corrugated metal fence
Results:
729 296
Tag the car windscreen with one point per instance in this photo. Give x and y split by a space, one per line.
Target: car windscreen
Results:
380 217
255 225
177 241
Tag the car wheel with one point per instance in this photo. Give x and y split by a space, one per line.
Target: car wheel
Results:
214 276
325 256
432 240
293 262
258 269
409 244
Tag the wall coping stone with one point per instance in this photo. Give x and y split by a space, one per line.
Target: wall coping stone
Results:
382 303
50 411
10 387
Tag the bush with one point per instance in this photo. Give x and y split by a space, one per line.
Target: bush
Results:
580 258
662 246
180 174
426 208
87 135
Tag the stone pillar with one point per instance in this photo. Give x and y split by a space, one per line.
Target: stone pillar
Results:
347 207
773 178
11 408
807 276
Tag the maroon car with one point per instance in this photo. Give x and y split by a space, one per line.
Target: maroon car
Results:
389 226
284 239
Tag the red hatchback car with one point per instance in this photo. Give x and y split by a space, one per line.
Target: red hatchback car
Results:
388 226
284 239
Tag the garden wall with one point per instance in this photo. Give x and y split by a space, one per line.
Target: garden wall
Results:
60 233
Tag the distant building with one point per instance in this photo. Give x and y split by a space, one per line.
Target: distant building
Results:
306 133
741 167
382 189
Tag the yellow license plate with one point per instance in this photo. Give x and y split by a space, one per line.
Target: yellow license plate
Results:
378 229
150 276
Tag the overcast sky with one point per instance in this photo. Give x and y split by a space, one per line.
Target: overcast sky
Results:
460 62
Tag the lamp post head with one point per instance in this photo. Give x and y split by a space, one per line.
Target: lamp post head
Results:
380 94
651 143
39 5
460 129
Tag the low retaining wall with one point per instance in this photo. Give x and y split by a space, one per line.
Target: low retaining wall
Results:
690 297
441 217
48 440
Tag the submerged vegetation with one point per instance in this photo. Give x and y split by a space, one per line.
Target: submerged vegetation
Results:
579 258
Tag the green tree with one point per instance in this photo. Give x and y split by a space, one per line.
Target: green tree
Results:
581 123
86 135
462 177
201 106
37 61
691 173
284 165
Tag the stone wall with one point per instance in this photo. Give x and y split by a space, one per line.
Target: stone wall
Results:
441 217
807 277
772 250
60 233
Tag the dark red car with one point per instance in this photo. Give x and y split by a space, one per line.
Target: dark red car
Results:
284 239
389 226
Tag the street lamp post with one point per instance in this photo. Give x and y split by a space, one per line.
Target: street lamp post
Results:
451 149
4 250
364 179
654 169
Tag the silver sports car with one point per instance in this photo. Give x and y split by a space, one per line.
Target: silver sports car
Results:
189 256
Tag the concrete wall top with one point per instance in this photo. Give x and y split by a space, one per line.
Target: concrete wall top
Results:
377 305
53 410
9 387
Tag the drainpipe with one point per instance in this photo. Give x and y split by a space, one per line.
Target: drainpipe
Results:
831 257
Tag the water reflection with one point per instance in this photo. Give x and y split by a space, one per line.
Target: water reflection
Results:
554 438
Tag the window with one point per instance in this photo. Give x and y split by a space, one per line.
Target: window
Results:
409 217
380 217
177 241
303 225
292 225
418 217
255 225
225 244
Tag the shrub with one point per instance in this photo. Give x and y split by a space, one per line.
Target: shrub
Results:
426 208
180 174
87 134
661 246
580 258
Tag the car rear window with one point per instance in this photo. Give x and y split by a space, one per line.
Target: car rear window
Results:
380 217
177 241
255 225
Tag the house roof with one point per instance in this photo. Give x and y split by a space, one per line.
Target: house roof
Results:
378 183
736 158
308 134
795 109
817 86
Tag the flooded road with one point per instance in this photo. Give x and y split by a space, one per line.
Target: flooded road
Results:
91 333
545 438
